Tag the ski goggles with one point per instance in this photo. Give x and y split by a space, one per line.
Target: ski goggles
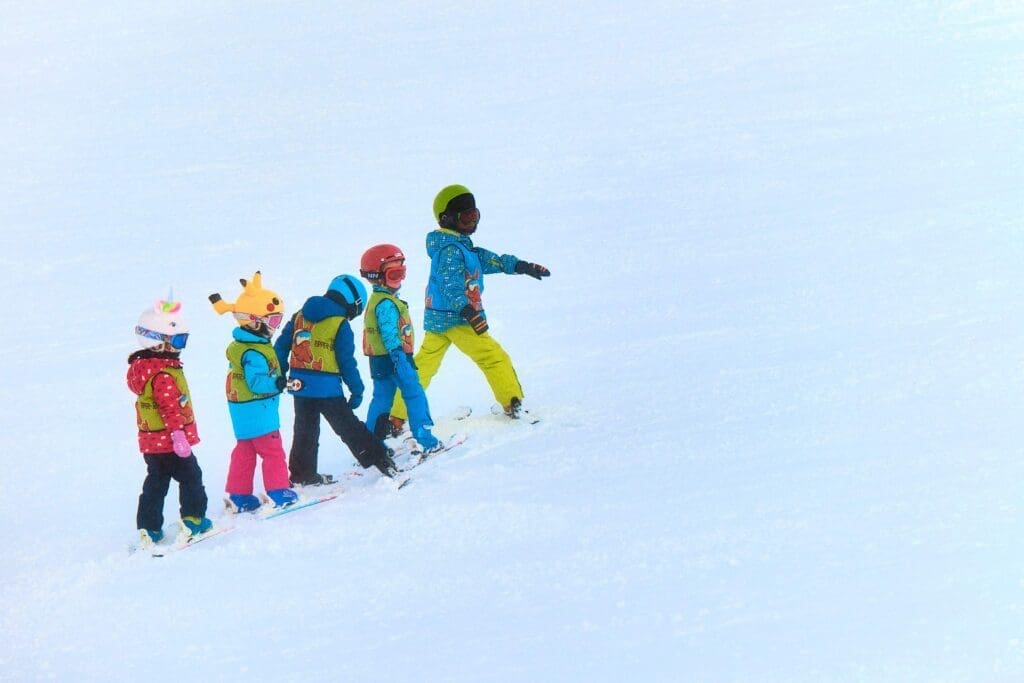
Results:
394 273
176 341
468 217
273 321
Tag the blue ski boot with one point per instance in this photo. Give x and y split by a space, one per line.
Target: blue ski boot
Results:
149 538
243 502
283 497
196 525
427 441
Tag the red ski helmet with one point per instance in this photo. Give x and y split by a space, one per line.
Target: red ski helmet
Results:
383 264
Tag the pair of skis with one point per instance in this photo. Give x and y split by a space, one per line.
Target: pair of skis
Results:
164 549
409 445
420 456
301 504
264 513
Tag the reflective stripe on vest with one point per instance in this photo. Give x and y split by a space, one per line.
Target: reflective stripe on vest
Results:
373 343
146 413
236 388
313 344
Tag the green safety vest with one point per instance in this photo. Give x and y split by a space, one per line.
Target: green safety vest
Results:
313 344
236 388
373 343
146 413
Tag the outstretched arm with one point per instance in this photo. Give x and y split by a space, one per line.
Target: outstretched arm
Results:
493 263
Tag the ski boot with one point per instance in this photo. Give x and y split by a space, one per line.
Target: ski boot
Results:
386 464
387 427
514 409
315 480
242 502
436 448
282 498
397 426
192 527
428 443
149 538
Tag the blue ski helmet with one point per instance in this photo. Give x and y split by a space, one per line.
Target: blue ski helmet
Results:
349 293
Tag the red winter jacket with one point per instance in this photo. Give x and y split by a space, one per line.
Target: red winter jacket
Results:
174 408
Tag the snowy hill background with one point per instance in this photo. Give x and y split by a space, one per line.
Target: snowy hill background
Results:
779 357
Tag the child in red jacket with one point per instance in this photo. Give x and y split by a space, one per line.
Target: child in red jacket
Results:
167 426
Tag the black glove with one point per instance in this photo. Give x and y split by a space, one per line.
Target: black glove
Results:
281 382
534 270
475 318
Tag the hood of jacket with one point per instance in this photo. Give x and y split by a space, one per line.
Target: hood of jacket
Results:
319 308
247 337
438 239
142 365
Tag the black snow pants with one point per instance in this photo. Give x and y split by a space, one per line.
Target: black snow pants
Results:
160 469
302 460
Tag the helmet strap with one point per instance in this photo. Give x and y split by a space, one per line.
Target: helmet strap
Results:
351 310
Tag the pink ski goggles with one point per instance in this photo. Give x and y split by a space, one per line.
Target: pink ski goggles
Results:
273 321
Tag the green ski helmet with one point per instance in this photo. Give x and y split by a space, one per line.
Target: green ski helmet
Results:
452 201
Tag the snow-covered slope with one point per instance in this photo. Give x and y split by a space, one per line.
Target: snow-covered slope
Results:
778 358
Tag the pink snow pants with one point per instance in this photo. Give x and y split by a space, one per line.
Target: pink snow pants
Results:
243 464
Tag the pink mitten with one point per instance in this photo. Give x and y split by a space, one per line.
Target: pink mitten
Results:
180 443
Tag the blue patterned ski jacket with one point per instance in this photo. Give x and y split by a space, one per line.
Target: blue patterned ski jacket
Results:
457 270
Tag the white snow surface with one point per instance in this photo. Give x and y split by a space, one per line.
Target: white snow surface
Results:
778 358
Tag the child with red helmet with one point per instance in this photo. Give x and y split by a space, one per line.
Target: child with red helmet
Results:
388 339
166 423
254 384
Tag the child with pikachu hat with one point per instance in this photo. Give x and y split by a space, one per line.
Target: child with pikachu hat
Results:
254 383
